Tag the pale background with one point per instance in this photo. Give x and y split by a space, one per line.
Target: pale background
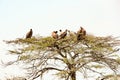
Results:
98 17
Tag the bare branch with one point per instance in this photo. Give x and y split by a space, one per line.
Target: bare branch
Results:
42 71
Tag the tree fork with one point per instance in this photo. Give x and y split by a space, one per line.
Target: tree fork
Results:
72 73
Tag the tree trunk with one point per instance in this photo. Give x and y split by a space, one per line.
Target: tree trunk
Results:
73 75
72 72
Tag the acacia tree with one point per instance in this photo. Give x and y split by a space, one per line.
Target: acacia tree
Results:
67 56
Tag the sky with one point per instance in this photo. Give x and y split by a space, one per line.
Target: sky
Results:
98 17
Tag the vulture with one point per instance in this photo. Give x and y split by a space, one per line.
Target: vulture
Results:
29 34
81 33
71 33
60 32
55 35
63 34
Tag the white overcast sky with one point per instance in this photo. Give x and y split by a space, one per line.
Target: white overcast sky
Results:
98 17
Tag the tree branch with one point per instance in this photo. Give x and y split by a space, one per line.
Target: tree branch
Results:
42 71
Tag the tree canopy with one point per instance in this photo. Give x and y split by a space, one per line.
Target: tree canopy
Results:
67 56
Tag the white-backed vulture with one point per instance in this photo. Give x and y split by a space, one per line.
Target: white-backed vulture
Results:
71 33
60 32
29 34
63 34
81 33
55 35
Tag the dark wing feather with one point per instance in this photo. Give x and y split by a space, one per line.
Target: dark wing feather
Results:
63 35
29 34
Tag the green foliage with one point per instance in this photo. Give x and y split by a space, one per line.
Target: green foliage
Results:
111 77
16 78
24 57
97 66
74 55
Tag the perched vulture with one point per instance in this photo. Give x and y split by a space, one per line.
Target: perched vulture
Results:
60 32
55 35
81 33
71 33
63 34
29 34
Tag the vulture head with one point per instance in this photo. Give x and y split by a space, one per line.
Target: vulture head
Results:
60 30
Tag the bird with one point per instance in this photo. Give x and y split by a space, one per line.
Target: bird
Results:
29 34
71 33
63 34
81 33
55 35
60 32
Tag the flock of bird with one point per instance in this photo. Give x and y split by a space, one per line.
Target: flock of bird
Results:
80 34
